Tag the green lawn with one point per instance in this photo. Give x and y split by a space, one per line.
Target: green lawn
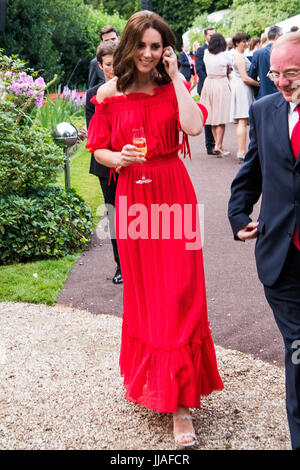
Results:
42 281
37 282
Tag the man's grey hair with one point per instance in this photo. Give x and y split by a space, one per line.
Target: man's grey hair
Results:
273 32
288 38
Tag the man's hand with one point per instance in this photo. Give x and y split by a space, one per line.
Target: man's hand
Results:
248 232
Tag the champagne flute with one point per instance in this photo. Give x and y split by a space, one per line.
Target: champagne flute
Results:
139 140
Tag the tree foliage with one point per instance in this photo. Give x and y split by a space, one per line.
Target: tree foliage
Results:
55 35
255 16
177 13
125 8
60 37
180 15
249 16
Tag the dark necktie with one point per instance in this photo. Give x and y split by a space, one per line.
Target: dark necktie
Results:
295 143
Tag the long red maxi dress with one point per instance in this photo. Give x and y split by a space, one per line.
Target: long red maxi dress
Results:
167 354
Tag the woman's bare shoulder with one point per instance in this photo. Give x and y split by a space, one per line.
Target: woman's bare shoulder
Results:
107 90
239 59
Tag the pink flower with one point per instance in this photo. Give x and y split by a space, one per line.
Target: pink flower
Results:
25 85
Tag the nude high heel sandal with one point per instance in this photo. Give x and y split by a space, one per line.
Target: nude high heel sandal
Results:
181 436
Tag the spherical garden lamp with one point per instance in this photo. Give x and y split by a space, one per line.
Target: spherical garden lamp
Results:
65 135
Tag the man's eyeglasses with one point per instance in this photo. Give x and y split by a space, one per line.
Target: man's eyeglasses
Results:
289 75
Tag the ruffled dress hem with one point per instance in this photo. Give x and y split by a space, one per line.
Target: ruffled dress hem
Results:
162 379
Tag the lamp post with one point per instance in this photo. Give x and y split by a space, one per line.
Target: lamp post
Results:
146 5
2 15
65 135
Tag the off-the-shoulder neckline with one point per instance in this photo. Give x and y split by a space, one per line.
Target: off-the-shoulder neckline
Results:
118 98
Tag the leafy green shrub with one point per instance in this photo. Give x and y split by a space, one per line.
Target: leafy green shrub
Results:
46 224
248 16
29 159
35 223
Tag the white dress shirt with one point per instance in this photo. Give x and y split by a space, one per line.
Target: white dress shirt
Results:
293 117
189 58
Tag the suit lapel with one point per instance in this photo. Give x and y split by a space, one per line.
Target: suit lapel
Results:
282 128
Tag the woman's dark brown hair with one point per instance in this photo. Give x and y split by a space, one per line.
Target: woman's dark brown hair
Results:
239 37
124 67
216 44
253 42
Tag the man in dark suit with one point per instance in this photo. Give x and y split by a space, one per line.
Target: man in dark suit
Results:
104 58
201 72
186 62
96 75
272 170
260 64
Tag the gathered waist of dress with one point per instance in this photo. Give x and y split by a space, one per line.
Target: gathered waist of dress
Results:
158 159
211 75
153 161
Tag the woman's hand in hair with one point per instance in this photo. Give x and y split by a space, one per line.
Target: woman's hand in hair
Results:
169 59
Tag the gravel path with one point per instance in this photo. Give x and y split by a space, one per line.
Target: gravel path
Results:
60 389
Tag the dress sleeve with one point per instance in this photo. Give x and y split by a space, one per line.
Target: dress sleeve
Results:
188 85
204 112
99 132
184 146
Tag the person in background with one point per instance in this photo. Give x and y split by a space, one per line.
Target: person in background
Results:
229 44
201 72
215 95
271 172
263 39
260 64
230 51
254 45
96 75
242 95
187 65
104 57
196 45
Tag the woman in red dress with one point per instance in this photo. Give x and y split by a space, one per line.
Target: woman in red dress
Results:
167 354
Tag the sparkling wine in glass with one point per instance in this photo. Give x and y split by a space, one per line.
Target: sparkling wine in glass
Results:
139 140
